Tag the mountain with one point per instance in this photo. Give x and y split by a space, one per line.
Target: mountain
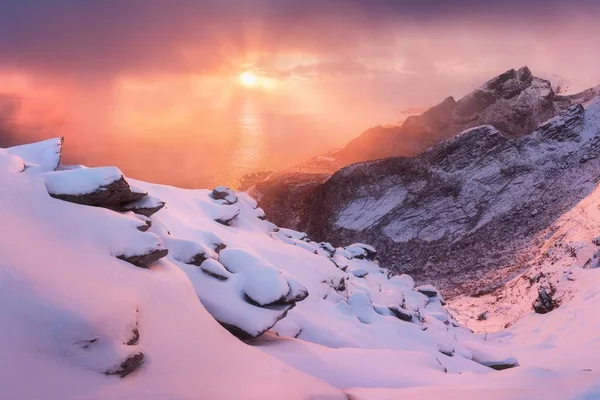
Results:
440 214
515 103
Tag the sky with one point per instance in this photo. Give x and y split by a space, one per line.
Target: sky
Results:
100 72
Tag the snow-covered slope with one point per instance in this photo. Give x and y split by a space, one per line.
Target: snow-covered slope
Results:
115 288
73 314
99 283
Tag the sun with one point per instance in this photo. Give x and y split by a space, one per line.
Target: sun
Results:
248 78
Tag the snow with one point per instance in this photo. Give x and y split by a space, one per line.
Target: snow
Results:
366 211
70 309
41 156
264 283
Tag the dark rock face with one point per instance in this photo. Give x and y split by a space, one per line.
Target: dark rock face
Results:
440 216
132 363
144 260
285 196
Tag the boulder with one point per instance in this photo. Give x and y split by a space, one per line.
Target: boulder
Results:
99 187
362 251
544 302
360 273
427 290
224 193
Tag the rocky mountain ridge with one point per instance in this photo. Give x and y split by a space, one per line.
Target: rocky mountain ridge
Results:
515 103
440 214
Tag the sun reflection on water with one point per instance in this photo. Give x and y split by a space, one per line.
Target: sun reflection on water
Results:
250 153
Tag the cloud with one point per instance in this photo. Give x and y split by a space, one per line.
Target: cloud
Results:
100 38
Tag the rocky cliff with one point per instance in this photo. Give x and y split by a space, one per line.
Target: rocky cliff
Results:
515 103
439 215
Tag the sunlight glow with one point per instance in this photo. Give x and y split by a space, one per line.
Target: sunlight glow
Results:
248 78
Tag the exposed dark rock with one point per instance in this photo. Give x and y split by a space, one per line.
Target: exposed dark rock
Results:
132 363
338 286
219 247
544 302
296 296
145 227
144 260
196 259
214 275
401 313
135 337
500 367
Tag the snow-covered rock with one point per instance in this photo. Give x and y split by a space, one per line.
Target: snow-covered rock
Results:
75 318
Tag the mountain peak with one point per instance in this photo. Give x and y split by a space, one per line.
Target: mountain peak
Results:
510 83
